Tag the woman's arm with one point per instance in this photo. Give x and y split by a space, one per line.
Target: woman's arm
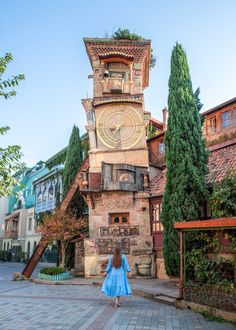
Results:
109 265
126 264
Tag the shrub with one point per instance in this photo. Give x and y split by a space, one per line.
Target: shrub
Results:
223 199
3 255
52 271
23 256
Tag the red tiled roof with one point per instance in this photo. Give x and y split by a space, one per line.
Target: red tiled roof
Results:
157 184
220 162
156 121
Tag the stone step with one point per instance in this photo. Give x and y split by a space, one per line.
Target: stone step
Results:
165 300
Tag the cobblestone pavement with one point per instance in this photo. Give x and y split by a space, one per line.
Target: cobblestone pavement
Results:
26 305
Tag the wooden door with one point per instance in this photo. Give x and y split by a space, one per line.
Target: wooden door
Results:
156 225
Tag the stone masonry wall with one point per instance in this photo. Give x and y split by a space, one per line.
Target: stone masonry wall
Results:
134 237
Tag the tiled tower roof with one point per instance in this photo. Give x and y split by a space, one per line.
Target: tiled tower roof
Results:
137 51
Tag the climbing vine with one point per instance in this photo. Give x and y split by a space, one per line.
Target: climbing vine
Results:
206 261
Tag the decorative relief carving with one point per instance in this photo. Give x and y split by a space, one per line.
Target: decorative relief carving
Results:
111 204
119 231
125 245
105 246
126 177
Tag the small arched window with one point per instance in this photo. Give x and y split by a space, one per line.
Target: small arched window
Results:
119 218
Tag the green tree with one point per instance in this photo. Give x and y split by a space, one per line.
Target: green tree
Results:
85 147
199 104
74 159
186 158
126 34
223 198
151 131
11 155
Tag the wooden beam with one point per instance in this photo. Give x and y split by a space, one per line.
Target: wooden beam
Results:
33 261
92 200
76 184
207 224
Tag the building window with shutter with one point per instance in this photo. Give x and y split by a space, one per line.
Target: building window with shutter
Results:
226 119
211 125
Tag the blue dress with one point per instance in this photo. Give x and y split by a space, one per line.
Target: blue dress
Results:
116 282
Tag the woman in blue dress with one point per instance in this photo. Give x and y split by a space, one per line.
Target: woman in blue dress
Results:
116 282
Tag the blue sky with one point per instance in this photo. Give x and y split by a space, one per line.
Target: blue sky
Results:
45 38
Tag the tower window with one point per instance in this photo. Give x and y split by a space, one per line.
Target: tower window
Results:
119 218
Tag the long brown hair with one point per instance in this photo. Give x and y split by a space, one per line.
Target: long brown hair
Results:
116 262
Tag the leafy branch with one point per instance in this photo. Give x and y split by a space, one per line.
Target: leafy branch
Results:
11 155
9 83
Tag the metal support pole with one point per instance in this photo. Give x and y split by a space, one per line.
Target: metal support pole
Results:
181 286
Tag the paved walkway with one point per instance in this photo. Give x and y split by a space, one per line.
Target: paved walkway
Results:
26 305
144 287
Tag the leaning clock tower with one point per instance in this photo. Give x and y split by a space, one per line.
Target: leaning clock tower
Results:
115 185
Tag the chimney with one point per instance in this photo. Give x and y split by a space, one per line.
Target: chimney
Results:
164 118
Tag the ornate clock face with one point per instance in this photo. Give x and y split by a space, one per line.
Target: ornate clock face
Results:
120 126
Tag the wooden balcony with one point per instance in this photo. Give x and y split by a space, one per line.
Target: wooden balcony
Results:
12 234
94 181
91 182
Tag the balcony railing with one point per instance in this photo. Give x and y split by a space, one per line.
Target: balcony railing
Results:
13 234
116 86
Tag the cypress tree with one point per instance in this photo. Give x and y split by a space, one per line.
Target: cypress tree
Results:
186 159
74 159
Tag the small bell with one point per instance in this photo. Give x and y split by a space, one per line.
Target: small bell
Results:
106 74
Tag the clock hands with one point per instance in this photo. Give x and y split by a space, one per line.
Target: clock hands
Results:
118 127
116 133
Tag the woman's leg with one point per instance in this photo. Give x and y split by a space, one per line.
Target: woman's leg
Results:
117 301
